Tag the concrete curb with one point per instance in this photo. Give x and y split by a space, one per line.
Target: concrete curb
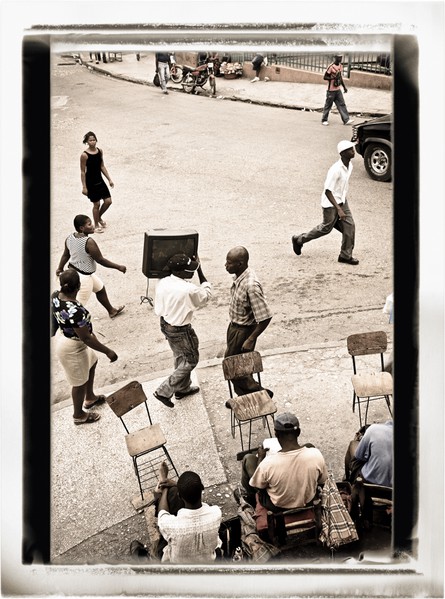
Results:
232 98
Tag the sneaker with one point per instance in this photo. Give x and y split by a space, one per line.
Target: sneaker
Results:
325 123
349 122
254 79
138 550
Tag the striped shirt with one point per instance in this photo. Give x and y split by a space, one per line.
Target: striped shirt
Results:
79 257
247 301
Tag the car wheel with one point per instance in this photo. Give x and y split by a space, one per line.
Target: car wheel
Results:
378 162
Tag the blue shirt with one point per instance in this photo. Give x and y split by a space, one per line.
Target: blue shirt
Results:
375 449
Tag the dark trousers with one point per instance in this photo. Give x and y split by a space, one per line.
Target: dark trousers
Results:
236 335
332 221
337 98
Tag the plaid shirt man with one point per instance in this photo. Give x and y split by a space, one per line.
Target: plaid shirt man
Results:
247 302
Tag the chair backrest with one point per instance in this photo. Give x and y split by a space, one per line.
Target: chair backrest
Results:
127 398
363 344
241 365
379 493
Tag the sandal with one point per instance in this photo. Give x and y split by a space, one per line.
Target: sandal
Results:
90 417
118 311
99 399
98 229
102 223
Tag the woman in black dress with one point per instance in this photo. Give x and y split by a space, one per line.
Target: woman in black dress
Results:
93 185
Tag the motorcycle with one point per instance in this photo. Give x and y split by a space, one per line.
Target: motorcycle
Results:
176 70
198 76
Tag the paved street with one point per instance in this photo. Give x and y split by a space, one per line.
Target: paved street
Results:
239 174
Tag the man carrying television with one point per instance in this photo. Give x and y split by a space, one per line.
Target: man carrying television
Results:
176 300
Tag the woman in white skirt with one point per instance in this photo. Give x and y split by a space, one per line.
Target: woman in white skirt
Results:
75 347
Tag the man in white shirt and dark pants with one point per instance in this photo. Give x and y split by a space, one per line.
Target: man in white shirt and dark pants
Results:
336 212
176 300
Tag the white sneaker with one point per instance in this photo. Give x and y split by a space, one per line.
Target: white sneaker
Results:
325 123
254 79
349 122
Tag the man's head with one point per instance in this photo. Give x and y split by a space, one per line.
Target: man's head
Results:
346 148
190 487
338 58
182 266
83 224
237 260
287 424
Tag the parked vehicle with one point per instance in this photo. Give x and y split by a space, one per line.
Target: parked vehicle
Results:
373 142
197 77
176 72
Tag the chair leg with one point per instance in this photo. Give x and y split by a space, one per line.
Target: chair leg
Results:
232 423
138 477
250 432
170 460
366 412
268 425
241 436
359 411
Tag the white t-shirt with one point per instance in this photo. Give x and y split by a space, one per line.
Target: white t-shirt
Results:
192 535
176 299
291 477
337 181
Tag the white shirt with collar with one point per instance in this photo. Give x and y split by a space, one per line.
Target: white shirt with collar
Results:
337 181
176 299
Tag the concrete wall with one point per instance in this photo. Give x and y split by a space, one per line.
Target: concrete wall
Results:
289 74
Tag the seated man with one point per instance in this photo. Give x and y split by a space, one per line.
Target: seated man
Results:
287 479
190 532
371 457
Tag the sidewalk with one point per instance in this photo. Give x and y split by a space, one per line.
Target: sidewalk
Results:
95 512
297 96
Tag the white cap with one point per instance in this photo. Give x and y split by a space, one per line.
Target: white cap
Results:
344 144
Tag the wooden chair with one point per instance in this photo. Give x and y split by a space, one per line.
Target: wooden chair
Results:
245 409
146 446
372 503
369 386
298 526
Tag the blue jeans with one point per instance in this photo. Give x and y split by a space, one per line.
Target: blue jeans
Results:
164 74
331 221
184 345
336 97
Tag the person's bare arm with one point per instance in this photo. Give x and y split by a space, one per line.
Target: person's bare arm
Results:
249 343
63 260
330 196
92 341
105 172
93 250
83 165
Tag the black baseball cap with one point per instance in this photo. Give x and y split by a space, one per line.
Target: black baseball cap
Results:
182 263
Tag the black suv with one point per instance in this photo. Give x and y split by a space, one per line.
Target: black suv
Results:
373 142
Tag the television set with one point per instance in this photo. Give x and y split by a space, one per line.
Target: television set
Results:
162 244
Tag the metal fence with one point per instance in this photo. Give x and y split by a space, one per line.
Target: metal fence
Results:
370 62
